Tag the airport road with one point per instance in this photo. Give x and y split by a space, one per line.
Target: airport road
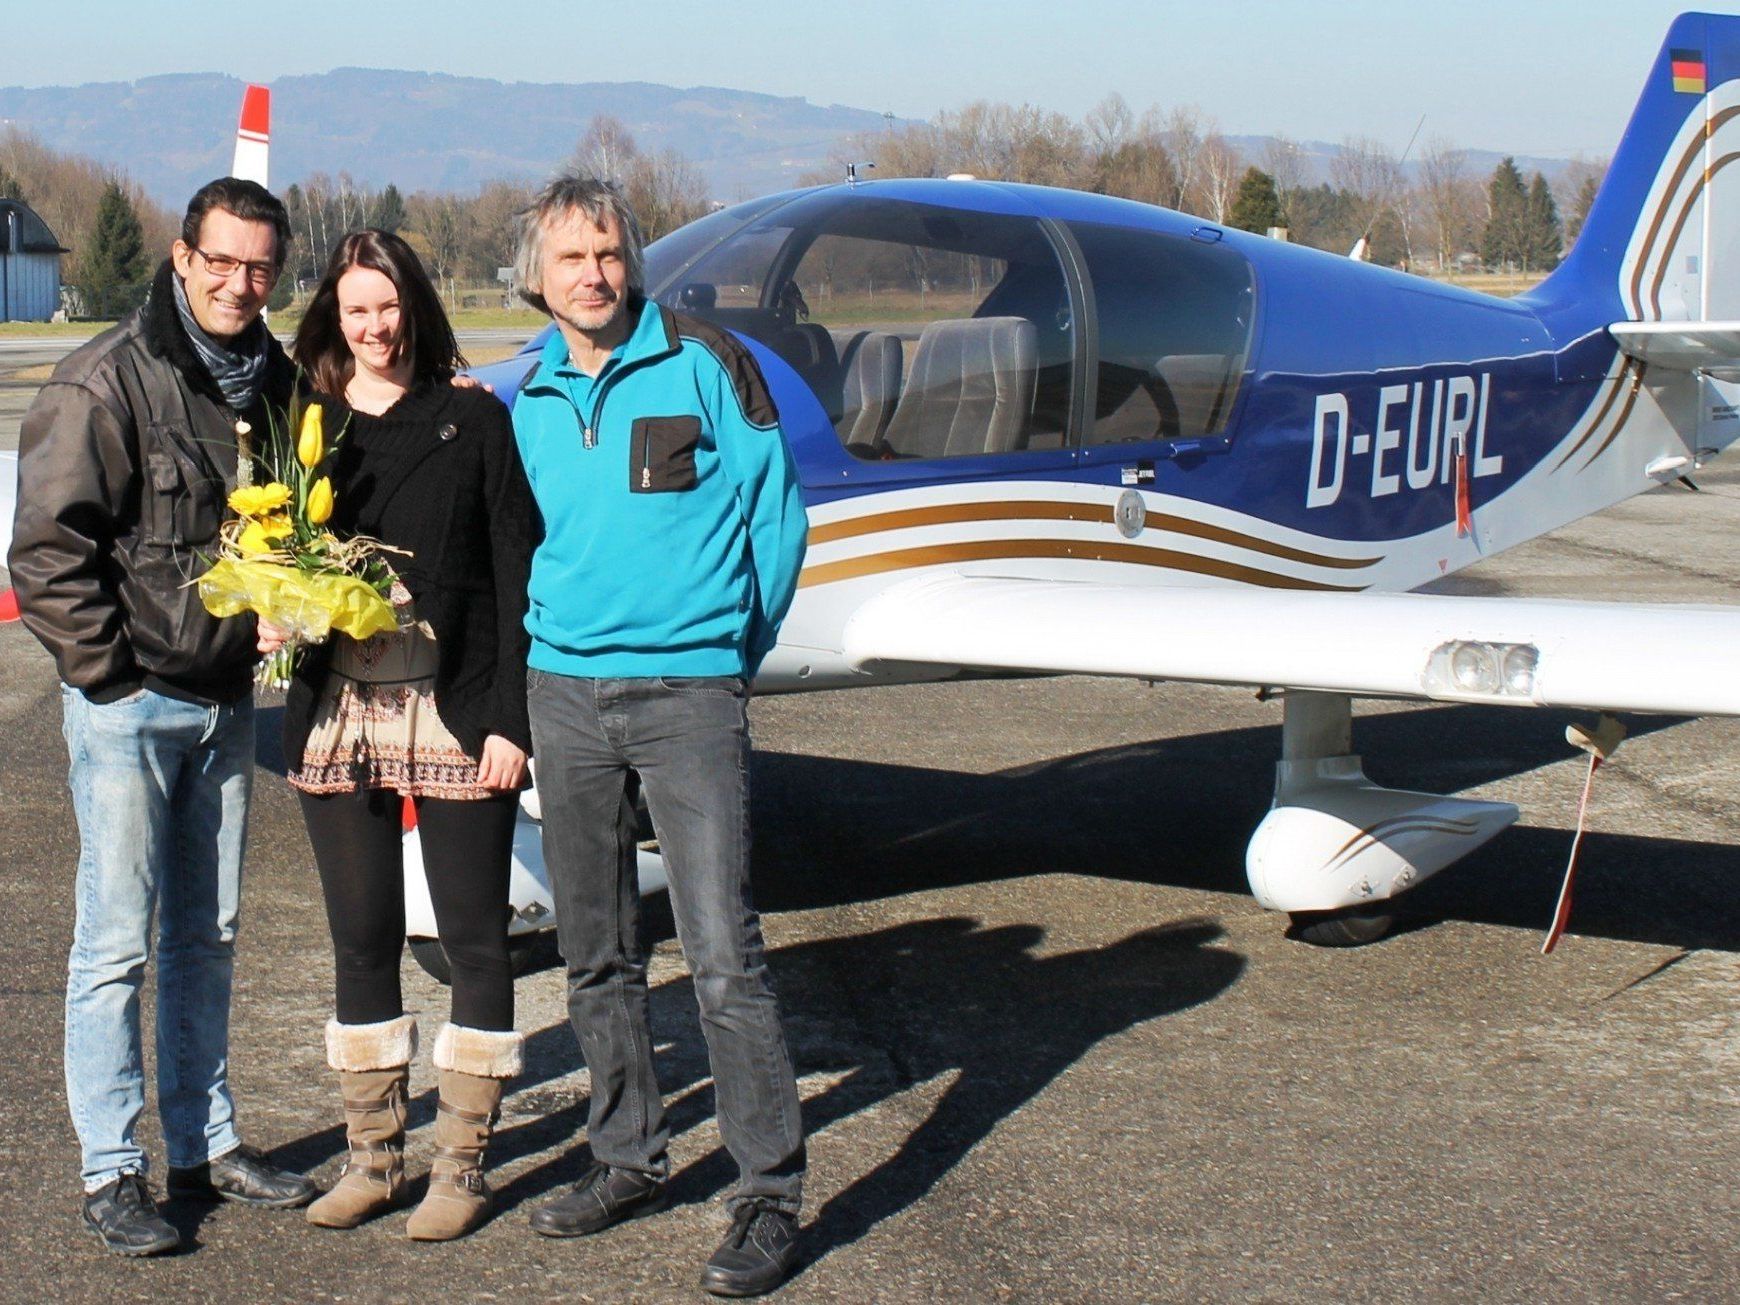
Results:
1049 1048
25 363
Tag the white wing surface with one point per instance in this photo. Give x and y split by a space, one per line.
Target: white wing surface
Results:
1522 652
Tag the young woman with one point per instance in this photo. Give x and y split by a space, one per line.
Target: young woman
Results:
434 711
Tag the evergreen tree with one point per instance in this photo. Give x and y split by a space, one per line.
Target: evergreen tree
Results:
10 186
1257 206
1544 238
114 268
1580 206
1504 242
388 213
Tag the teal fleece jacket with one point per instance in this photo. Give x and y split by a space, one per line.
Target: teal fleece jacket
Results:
673 525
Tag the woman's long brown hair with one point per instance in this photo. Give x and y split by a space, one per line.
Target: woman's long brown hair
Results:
425 335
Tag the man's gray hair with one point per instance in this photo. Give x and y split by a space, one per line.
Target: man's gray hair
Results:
573 193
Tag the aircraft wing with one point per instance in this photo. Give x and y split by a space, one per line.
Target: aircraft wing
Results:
1521 652
1680 346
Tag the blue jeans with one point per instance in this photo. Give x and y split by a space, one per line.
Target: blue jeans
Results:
688 740
160 790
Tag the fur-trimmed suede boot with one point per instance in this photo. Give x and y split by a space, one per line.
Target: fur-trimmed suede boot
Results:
474 1065
374 1067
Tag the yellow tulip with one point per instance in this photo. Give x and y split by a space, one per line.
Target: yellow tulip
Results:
320 501
259 500
311 443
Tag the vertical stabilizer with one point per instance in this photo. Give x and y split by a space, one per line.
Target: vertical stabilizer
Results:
253 135
1662 240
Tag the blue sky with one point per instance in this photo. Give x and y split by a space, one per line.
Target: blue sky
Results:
1549 77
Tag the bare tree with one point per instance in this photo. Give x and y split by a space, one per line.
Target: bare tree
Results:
666 191
1109 125
444 223
1182 130
1220 166
491 232
605 150
1450 200
1284 160
1367 170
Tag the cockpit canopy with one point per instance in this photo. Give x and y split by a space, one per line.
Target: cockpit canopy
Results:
928 331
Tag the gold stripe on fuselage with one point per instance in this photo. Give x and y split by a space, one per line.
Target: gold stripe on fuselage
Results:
1086 550
874 523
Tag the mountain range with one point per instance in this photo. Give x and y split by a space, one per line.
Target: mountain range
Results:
432 131
427 131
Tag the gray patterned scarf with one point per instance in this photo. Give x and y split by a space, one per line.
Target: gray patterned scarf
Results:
239 370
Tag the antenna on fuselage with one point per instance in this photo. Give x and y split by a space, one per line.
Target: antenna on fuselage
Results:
852 171
1361 251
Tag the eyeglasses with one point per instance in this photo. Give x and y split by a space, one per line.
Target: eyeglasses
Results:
223 266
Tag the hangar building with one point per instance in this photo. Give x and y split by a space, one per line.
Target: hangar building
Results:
29 265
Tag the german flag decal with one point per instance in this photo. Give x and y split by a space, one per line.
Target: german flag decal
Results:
1688 71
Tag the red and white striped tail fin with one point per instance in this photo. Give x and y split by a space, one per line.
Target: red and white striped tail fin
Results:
253 135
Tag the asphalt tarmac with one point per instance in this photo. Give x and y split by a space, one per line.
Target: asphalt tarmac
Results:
1049 1048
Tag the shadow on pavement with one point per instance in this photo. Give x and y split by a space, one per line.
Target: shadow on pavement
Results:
1179 812
943 999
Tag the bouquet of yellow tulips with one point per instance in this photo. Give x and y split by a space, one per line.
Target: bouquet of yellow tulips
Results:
277 559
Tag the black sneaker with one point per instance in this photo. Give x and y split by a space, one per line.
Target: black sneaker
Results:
245 1176
603 1198
125 1217
756 1255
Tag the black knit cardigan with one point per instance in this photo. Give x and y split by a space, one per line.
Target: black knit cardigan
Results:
438 474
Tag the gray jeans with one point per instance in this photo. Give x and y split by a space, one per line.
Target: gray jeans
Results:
688 740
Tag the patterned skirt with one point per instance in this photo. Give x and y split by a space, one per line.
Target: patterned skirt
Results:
375 723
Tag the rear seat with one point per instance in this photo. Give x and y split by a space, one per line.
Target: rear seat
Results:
970 391
868 388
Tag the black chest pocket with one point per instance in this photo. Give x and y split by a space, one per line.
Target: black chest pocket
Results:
662 454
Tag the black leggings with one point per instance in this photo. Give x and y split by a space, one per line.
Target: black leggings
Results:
467 849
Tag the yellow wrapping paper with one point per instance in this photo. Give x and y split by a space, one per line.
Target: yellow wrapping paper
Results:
307 606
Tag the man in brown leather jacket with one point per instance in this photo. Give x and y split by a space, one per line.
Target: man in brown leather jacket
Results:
125 462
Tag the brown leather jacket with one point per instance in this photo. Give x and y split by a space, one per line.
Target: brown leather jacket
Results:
125 460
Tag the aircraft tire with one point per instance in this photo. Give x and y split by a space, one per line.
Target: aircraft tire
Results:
526 952
1354 926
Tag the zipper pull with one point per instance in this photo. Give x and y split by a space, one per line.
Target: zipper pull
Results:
589 439
646 477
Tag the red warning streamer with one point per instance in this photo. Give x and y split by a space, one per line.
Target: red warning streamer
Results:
1464 505
1562 913
8 606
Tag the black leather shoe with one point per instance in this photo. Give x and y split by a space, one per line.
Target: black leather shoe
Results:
125 1217
756 1255
246 1177
603 1198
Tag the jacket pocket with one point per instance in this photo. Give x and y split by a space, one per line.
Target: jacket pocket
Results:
163 492
182 505
662 454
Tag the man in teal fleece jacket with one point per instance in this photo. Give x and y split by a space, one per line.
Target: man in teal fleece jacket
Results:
673 536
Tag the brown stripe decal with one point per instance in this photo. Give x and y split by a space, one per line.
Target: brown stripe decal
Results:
991 550
1606 406
1042 510
1685 165
1624 416
1680 225
1408 824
